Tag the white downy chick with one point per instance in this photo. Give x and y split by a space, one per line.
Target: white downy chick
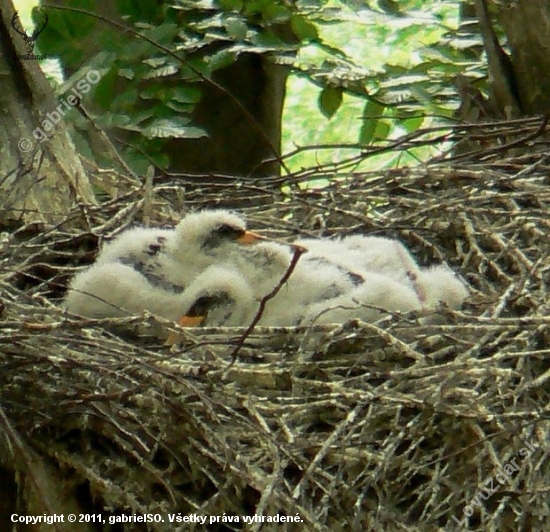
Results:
391 258
360 253
114 289
262 265
334 250
209 237
313 280
139 243
144 250
382 255
371 301
218 297
440 283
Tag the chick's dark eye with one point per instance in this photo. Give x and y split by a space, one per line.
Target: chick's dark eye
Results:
355 278
229 232
153 249
222 234
206 303
200 307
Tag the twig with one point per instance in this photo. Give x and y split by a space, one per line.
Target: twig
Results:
484 152
298 250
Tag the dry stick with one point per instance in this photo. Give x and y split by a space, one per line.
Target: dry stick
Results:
298 250
202 76
481 440
410 141
503 147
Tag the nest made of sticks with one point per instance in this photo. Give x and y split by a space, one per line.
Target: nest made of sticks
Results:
391 426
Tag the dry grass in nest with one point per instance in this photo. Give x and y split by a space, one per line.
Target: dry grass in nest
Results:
390 427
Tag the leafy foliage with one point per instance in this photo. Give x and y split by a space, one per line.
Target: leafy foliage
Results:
394 63
150 84
381 68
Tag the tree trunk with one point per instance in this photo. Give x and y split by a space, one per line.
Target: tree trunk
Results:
40 180
238 143
527 26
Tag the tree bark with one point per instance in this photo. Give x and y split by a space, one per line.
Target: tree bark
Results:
39 181
527 26
238 143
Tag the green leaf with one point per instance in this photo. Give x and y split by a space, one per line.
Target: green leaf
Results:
265 39
132 51
109 120
390 6
142 10
173 128
125 100
126 73
330 100
236 28
180 108
221 59
186 94
383 130
193 68
231 5
303 28
105 88
155 92
142 116
163 34
161 160
413 124
65 33
275 14
371 116
167 70
137 160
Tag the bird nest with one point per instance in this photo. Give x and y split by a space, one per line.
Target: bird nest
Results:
397 425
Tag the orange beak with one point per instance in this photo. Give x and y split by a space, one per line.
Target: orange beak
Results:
250 238
185 321
191 321
173 338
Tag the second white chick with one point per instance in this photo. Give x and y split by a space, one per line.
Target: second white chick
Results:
383 255
440 283
209 237
391 258
377 297
145 250
219 296
312 280
113 289
367 254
